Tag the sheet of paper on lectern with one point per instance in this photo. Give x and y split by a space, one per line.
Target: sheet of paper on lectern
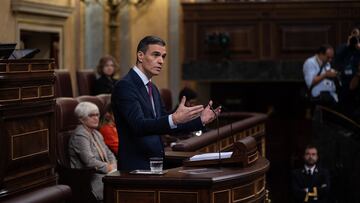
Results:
211 156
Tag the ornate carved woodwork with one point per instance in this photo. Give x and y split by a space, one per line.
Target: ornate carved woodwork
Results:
230 184
27 125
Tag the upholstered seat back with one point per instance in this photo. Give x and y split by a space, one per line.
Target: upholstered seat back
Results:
106 100
166 97
63 87
86 81
66 121
51 194
95 100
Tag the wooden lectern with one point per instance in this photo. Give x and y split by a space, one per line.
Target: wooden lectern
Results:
207 181
189 185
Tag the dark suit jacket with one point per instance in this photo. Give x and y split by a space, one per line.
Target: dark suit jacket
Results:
138 128
301 180
103 85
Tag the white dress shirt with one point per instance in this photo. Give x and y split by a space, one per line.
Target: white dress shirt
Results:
146 80
307 168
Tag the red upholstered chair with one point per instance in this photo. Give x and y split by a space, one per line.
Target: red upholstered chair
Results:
77 179
86 81
63 87
166 97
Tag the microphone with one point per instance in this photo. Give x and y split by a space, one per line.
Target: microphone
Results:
218 129
228 122
218 132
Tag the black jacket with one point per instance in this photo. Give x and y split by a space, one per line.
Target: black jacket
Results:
319 179
104 85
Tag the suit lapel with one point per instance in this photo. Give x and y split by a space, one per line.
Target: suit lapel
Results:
316 175
142 89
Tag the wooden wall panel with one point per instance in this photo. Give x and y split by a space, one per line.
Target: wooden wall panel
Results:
46 91
125 196
27 126
29 144
29 92
268 30
311 36
9 94
222 196
191 40
28 141
265 40
178 197
299 40
244 40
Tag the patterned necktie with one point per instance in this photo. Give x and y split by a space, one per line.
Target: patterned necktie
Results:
149 85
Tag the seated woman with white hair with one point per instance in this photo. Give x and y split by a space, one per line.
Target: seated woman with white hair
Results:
87 148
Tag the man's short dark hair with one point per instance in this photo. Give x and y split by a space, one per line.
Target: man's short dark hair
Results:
323 48
310 146
188 93
146 41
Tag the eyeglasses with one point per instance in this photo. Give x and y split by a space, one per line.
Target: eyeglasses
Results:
93 115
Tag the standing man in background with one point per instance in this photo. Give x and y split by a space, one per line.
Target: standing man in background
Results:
347 61
139 112
320 77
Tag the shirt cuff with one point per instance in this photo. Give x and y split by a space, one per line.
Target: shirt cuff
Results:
171 122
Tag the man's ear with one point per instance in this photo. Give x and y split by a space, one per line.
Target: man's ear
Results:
140 56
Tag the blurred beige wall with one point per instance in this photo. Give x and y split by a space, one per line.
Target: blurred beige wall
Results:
7 23
65 18
54 2
150 19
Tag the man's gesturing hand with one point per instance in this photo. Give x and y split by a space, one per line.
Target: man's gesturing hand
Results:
184 114
209 114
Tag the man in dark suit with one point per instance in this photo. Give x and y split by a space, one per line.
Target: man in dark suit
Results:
311 183
139 112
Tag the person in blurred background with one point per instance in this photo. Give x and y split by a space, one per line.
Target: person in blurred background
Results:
106 69
320 77
347 62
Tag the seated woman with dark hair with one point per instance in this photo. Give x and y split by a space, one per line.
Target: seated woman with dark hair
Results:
87 148
106 69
